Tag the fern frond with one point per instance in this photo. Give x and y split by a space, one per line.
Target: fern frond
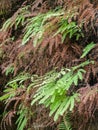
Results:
87 49
53 94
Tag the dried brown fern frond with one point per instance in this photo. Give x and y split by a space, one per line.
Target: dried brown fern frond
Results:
8 120
86 14
84 11
50 54
92 70
89 100
87 107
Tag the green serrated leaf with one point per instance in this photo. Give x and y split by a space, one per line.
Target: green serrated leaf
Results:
87 49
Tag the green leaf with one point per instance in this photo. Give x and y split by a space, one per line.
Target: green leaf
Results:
75 79
80 75
61 107
5 96
87 49
72 103
54 106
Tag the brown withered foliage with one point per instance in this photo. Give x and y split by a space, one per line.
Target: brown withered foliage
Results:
87 108
50 54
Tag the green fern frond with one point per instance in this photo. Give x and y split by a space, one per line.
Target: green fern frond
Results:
36 26
22 119
19 19
87 49
53 94
66 123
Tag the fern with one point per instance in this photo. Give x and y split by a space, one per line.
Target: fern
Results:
22 119
12 87
87 49
9 92
53 94
52 91
6 25
69 29
13 92
19 19
20 79
36 26
66 123
9 70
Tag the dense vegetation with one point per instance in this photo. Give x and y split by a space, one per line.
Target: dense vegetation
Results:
49 65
